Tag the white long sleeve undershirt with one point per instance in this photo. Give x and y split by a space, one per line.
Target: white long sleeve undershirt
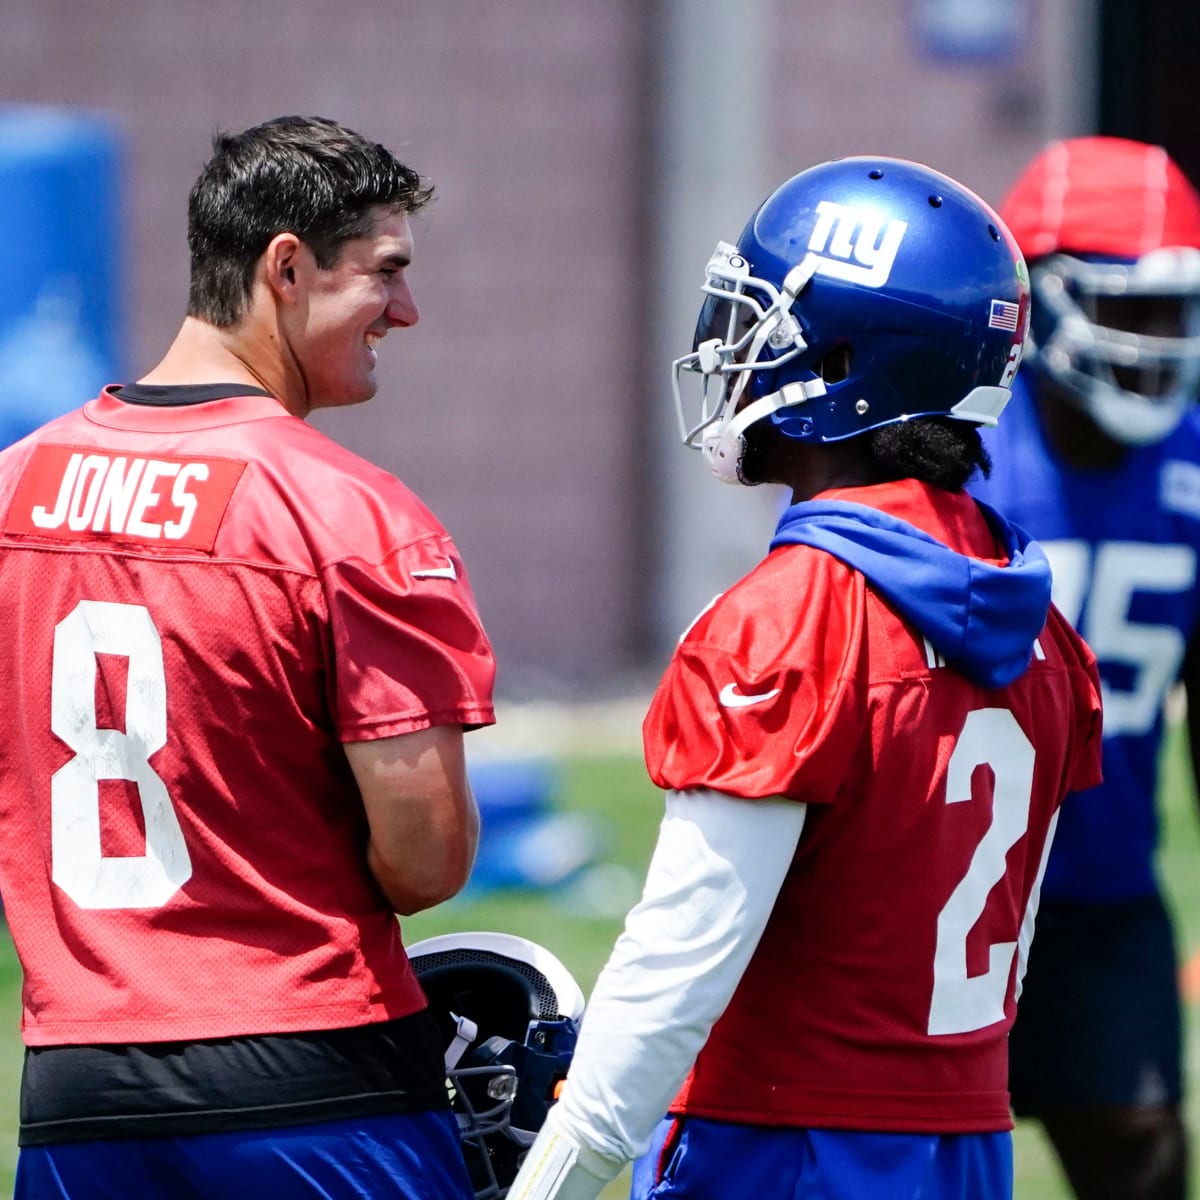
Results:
712 882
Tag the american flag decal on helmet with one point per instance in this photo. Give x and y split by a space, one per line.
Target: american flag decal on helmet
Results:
1004 315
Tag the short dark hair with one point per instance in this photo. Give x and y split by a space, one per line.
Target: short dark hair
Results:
942 451
938 450
304 175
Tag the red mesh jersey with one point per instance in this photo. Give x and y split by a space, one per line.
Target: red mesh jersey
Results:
882 991
198 605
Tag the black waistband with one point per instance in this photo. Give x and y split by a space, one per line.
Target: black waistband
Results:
81 1093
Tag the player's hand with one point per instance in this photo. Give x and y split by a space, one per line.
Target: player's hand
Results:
557 1168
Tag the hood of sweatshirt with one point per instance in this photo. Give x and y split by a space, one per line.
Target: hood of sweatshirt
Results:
982 618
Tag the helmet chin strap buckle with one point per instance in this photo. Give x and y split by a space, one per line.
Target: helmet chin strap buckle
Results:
708 356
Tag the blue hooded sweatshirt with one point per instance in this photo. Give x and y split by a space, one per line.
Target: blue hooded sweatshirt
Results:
982 619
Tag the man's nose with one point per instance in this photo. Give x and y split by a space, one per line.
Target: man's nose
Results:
402 308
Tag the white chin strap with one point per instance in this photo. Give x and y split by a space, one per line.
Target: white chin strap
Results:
466 1031
724 445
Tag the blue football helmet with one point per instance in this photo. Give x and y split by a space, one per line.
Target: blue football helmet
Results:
862 292
1111 230
509 1012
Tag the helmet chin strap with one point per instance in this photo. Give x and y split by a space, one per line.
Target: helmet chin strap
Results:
465 1032
724 447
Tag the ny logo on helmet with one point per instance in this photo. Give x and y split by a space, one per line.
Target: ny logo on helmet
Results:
847 236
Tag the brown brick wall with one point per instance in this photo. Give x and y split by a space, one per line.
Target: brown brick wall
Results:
515 408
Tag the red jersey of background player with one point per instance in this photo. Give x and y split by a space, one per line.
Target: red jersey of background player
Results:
161 609
877 675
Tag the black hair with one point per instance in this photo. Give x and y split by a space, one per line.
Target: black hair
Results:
304 175
938 450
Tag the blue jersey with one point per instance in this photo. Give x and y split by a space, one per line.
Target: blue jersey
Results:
1123 545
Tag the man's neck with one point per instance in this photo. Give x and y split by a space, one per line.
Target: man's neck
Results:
203 353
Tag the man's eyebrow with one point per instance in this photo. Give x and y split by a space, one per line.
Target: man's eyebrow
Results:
396 259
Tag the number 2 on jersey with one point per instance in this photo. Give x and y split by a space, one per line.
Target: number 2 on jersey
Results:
962 1003
79 866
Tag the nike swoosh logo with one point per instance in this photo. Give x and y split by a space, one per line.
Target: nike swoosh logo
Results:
446 572
730 697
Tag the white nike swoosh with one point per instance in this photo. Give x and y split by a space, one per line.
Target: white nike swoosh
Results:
446 572
730 697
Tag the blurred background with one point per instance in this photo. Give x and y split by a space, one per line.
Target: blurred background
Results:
587 157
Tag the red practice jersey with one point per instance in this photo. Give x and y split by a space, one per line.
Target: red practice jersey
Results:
881 994
199 604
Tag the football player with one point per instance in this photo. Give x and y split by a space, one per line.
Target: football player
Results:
1099 457
864 742
240 660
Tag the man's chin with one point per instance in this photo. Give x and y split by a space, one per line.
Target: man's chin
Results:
346 397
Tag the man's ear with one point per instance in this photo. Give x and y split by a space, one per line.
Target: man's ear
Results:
279 264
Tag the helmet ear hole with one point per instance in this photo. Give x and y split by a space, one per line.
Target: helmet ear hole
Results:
835 366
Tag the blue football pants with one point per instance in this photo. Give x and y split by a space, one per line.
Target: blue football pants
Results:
404 1156
716 1160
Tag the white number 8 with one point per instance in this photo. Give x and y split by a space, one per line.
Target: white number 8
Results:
78 865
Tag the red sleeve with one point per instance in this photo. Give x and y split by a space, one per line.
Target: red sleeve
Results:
761 692
1088 764
409 650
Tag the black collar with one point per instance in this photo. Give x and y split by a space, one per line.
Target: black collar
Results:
182 393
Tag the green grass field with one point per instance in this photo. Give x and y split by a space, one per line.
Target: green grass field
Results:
579 926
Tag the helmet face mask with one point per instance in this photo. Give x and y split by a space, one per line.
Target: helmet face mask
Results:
510 1014
745 326
907 271
1122 339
